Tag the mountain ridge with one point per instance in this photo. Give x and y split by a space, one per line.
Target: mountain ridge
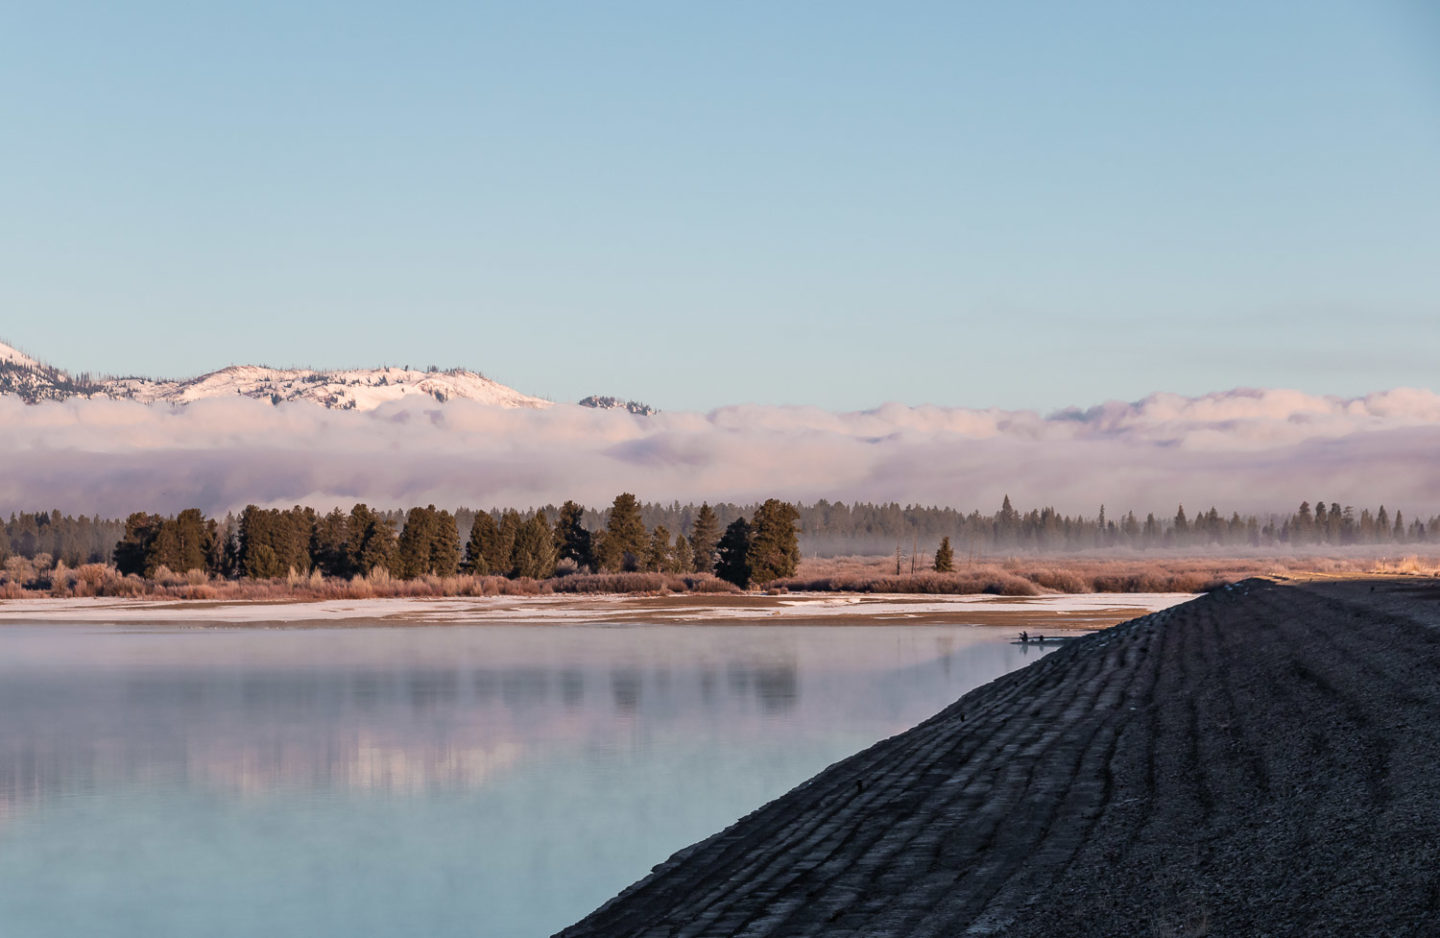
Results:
341 389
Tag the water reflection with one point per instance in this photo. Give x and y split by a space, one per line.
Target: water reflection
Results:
544 768
84 722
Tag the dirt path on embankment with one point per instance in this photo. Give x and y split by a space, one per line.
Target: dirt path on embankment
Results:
1262 761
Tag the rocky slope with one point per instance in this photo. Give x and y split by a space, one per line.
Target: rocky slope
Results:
1260 761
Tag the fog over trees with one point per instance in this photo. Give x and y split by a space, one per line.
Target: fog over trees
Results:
741 544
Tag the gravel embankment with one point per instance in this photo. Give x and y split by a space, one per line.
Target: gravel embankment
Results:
1262 761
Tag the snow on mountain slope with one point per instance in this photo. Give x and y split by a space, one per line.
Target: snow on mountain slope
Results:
358 389
606 402
14 356
33 381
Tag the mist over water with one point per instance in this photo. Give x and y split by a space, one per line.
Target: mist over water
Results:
490 780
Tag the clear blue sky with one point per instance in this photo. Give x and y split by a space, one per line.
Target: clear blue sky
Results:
1013 204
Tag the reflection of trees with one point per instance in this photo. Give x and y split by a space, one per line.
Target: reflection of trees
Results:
431 689
572 687
777 686
524 687
368 728
625 686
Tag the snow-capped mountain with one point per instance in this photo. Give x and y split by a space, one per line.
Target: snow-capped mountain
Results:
358 389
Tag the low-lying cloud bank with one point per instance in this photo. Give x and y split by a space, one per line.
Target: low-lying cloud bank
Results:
1248 450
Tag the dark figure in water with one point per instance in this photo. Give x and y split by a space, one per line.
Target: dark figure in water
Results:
1024 637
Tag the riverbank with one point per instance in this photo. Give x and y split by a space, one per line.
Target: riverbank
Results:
1046 613
1257 761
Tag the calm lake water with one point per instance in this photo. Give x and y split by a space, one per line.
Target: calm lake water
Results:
437 781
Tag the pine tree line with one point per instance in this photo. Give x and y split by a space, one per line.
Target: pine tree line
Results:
69 540
630 535
837 528
269 543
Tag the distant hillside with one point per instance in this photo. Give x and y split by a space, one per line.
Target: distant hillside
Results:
602 402
358 389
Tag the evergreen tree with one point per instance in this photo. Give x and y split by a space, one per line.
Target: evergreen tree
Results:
1302 525
682 559
626 540
572 538
482 545
502 559
371 541
132 551
774 545
187 541
261 538
704 536
303 521
163 550
444 544
1366 528
1007 524
657 554
412 552
535 554
330 548
733 554
944 557
25 534
1213 525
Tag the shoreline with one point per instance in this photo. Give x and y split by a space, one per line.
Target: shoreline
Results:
1056 612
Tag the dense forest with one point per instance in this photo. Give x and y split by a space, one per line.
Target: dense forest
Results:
740 543
262 544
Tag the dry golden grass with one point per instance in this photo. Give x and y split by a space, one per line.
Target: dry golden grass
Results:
1413 565
1025 576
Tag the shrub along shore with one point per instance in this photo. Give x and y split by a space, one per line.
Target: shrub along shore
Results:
1016 576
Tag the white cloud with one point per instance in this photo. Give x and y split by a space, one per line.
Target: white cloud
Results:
1247 449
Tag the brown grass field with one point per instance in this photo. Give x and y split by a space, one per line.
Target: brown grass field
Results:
1037 575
